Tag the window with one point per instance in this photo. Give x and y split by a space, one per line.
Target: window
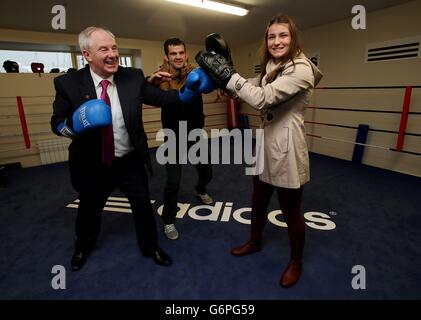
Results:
126 61
80 60
60 60
52 56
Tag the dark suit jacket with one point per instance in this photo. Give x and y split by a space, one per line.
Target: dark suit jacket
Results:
192 113
73 89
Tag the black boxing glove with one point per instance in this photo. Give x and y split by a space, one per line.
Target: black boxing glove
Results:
215 43
216 66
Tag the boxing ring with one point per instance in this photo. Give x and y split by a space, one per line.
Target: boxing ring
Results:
349 132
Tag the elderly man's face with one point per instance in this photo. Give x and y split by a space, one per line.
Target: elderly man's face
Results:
102 56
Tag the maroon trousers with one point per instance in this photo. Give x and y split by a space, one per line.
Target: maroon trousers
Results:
290 204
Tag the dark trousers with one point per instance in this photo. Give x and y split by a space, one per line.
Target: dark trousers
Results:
128 174
172 187
290 204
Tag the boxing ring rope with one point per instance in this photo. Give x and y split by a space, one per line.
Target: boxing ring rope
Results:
397 148
366 87
353 142
403 122
24 126
363 144
360 110
353 127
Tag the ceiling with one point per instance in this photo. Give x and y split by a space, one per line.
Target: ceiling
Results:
158 19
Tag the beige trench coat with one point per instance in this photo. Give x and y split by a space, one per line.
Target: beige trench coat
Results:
282 104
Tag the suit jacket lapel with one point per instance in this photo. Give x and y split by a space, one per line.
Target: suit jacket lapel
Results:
123 89
87 87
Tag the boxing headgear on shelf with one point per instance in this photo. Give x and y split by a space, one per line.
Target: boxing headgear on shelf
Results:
11 66
37 67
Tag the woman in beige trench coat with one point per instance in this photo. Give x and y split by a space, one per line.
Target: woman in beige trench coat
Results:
281 92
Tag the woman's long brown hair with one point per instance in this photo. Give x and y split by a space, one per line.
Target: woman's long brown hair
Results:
295 47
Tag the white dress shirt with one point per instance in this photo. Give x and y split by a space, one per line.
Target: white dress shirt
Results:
122 144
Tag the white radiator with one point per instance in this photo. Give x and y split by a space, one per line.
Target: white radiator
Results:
52 151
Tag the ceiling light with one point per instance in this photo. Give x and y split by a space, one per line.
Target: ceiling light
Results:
213 5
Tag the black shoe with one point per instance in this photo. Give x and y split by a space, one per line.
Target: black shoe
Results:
78 260
159 257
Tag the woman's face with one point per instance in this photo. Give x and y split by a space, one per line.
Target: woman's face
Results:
278 41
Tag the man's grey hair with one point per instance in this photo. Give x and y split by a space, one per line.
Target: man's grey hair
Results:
85 37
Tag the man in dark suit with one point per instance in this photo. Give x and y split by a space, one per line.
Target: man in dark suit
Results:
93 174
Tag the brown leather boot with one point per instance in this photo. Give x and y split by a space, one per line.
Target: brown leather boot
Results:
291 274
250 246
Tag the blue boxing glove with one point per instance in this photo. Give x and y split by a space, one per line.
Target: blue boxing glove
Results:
206 84
92 114
187 95
197 82
65 130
